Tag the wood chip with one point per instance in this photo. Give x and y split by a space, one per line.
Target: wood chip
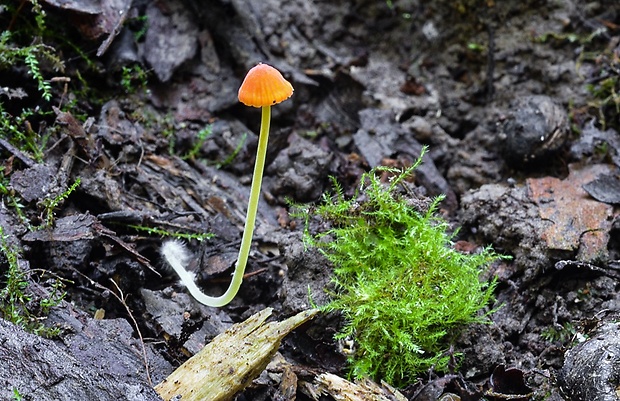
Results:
231 361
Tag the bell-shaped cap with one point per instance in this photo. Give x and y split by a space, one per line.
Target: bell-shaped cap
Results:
264 86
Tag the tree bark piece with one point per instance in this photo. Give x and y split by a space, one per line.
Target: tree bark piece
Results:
363 390
98 363
231 361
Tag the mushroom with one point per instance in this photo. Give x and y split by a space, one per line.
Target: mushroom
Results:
263 87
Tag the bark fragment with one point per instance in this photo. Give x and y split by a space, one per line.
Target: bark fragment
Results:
231 361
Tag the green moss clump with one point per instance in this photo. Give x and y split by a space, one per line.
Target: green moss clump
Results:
401 286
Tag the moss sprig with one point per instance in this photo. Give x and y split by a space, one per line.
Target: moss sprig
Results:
50 204
400 285
32 56
18 304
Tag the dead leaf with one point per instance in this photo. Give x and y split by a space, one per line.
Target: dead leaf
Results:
577 222
605 188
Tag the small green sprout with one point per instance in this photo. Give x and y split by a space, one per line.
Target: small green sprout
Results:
16 395
400 285
50 204
133 78
262 87
31 56
562 333
18 131
17 304
178 235
234 153
202 136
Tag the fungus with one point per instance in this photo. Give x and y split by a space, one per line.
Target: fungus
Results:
263 87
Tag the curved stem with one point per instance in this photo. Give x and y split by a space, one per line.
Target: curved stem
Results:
175 257
250 220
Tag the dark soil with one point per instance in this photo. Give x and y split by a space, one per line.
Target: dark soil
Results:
527 157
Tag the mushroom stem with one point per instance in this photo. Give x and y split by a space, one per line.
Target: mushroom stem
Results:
176 256
250 220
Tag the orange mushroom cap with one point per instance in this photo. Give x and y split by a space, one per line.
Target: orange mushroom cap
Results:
264 86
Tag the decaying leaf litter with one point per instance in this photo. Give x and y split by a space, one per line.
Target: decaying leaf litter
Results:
517 157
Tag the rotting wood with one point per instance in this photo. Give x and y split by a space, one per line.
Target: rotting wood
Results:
231 361
364 390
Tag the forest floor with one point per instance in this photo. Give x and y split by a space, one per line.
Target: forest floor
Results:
142 136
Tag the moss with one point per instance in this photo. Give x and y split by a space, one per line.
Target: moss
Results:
18 304
399 283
